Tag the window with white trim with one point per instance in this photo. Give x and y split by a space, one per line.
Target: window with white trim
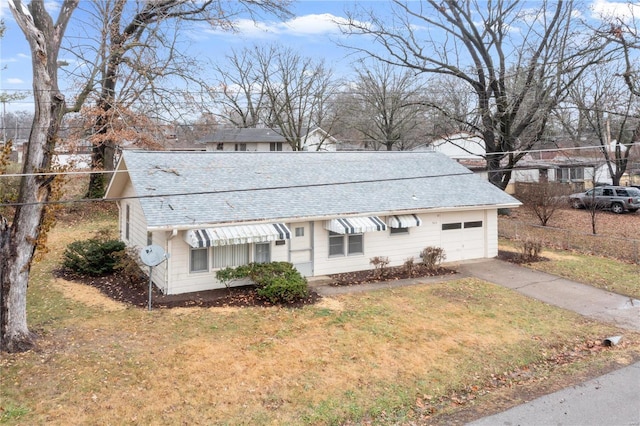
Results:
262 253
351 245
199 260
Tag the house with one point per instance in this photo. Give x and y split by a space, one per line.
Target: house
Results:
250 139
325 212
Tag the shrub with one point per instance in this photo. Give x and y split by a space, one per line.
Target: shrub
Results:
277 282
379 264
96 256
432 257
128 266
530 249
409 265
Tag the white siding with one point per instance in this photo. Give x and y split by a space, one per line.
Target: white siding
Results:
463 244
184 281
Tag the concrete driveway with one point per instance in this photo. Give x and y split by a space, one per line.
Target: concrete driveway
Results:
586 300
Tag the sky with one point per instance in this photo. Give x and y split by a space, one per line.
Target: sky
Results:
312 31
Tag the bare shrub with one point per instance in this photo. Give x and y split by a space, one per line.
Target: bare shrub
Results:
530 249
409 265
432 257
379 264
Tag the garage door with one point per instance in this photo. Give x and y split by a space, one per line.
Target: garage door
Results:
463 235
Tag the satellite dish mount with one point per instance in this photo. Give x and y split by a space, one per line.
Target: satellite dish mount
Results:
151 256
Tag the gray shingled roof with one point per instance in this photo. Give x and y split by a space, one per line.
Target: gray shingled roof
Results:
189 189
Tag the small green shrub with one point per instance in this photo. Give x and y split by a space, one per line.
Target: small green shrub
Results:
96 256
277 282
432 257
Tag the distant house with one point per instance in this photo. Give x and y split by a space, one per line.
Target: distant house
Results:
326 213
258 140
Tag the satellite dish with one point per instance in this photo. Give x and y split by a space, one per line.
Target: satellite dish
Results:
152 255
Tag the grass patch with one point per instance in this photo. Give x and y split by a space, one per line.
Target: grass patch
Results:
605 273
384 357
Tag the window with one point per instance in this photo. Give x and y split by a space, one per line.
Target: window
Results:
570 174
220 146
300 232
396 231
336 244
199 261
127 223
450 226
354 244
241 147
275 146
263 253
149 238
234 255
474 224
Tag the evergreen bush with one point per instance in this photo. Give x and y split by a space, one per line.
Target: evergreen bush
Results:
95 257
277 282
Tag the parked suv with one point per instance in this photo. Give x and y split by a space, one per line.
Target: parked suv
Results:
617 198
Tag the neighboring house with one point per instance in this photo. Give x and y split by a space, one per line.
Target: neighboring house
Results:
250 139
325 212
576 172
460 146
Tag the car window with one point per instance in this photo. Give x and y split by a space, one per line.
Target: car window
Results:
608 191
597 192
633 192
622 192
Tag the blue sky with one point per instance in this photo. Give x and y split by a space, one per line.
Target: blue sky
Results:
312 31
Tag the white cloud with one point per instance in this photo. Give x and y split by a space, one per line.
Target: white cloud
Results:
605 9
15 81
307 25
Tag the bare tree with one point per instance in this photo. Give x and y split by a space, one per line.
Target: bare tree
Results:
543 199
385 107
298 90
136 49
239 93
517 57
278 88
18 240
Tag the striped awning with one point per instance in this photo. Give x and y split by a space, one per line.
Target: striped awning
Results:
403 221
355 225
241 234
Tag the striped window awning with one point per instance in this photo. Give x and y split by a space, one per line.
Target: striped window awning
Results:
355 225
241 234
403 221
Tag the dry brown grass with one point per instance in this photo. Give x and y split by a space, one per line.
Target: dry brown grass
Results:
389 356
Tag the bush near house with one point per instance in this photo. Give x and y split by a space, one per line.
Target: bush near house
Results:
95 256
277 282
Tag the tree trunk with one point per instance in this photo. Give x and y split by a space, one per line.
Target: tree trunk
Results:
18 241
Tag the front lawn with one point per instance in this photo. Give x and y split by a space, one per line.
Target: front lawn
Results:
421 353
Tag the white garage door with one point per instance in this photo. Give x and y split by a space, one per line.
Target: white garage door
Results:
463 235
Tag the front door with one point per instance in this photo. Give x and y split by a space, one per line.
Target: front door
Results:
301 247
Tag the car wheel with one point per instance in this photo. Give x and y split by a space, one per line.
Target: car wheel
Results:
576 204
617 208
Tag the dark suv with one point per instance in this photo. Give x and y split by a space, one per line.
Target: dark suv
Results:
617 198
